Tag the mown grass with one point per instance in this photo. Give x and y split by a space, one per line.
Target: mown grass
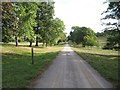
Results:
17 70
104 61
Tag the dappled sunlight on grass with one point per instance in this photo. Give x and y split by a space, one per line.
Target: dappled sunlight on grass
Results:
10 48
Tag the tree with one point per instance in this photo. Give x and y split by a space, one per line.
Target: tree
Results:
18 19
90 40
26 12
30 22
9 21
100 34
44 20
83 35
113 13
57 31
29 19
112 39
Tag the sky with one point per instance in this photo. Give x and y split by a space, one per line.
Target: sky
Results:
80 13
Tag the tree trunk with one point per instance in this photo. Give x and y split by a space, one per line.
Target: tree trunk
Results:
16 40
43 44
46 44
50 44
83 45
36 41
30 44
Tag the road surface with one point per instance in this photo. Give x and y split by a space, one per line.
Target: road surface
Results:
69 70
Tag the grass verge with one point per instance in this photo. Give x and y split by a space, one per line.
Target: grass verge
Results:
17 70
104 61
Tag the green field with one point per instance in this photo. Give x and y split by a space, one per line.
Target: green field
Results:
17 70
102 41
104 61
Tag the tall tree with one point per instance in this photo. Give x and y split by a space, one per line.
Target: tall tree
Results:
9 21
113 13
26 12
30 14
44 20
18 19
57 31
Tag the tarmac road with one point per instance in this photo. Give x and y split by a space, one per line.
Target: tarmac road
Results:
69 70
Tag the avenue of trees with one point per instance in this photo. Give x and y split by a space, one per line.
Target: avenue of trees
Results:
83 35
112 30
32 22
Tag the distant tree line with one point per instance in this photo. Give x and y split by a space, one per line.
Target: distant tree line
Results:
32 22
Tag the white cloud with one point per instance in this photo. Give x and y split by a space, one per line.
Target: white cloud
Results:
80 12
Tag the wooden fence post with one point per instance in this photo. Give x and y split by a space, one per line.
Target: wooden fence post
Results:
32 55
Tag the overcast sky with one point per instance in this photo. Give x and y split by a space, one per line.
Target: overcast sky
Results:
80 12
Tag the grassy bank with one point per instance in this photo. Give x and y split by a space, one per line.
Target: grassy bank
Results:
17 69
104 61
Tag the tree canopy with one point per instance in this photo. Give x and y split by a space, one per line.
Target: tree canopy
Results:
83 35
113 13
30 20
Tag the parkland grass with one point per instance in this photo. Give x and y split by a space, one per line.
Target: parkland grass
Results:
17 70
104 61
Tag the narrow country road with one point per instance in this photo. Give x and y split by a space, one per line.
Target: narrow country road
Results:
68 70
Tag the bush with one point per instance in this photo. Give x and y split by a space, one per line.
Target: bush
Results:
90 41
